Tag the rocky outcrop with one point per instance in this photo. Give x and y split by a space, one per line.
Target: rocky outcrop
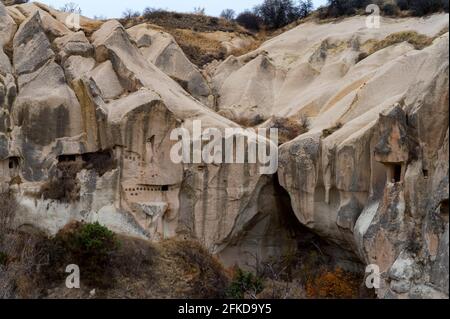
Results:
93 117
160 49
87 115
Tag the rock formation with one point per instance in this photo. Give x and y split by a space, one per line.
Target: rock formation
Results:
86 117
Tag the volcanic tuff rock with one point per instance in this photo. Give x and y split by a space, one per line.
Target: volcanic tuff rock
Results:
91 111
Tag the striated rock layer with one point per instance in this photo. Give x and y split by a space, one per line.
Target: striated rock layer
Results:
86 117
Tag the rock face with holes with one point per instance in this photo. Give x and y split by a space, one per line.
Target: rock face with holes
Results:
87 116
371 174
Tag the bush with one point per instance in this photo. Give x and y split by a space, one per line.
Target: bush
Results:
289 129
94 240
90 246
424 7
243 284
305 8
191 260
71 7
228 14
390 9
277 13
249 20
334 284
65 187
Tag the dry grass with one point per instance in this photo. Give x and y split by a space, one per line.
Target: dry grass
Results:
419 41
334 284
290 128
65 187
189 21
330 131
199 49
135 269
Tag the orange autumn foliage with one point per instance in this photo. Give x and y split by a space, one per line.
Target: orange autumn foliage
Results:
336 284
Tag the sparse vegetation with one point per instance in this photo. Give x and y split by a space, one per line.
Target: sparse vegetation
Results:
249 20
228 14
90 246
207 277
290 128
116 266
335 284
199 49
245 285
8 207
71 7
64 186
330 131
130 14
3 258
340 8
419 41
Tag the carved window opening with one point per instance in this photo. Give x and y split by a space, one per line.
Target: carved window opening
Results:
394 172
67 158
165 188
13 163
444 207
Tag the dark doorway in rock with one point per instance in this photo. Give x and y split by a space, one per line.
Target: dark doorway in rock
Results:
165 188
394 172
13 162
397 172
67 158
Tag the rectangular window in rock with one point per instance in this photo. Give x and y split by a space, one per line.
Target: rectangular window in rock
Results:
394 172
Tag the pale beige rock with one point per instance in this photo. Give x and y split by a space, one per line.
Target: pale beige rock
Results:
370 175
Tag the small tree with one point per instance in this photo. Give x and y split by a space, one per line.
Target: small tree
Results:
249 20
130 14
71 7
277 13
228 14
305 8
199 11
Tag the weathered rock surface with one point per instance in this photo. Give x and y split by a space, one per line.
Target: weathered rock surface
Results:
160 49
94 110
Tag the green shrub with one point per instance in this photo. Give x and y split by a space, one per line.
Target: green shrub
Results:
244 283
390 9
90 246
95 239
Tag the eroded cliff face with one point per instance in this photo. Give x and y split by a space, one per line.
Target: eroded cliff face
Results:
86 125
86 117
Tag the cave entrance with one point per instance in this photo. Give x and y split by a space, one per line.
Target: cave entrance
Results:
394 172
13 162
